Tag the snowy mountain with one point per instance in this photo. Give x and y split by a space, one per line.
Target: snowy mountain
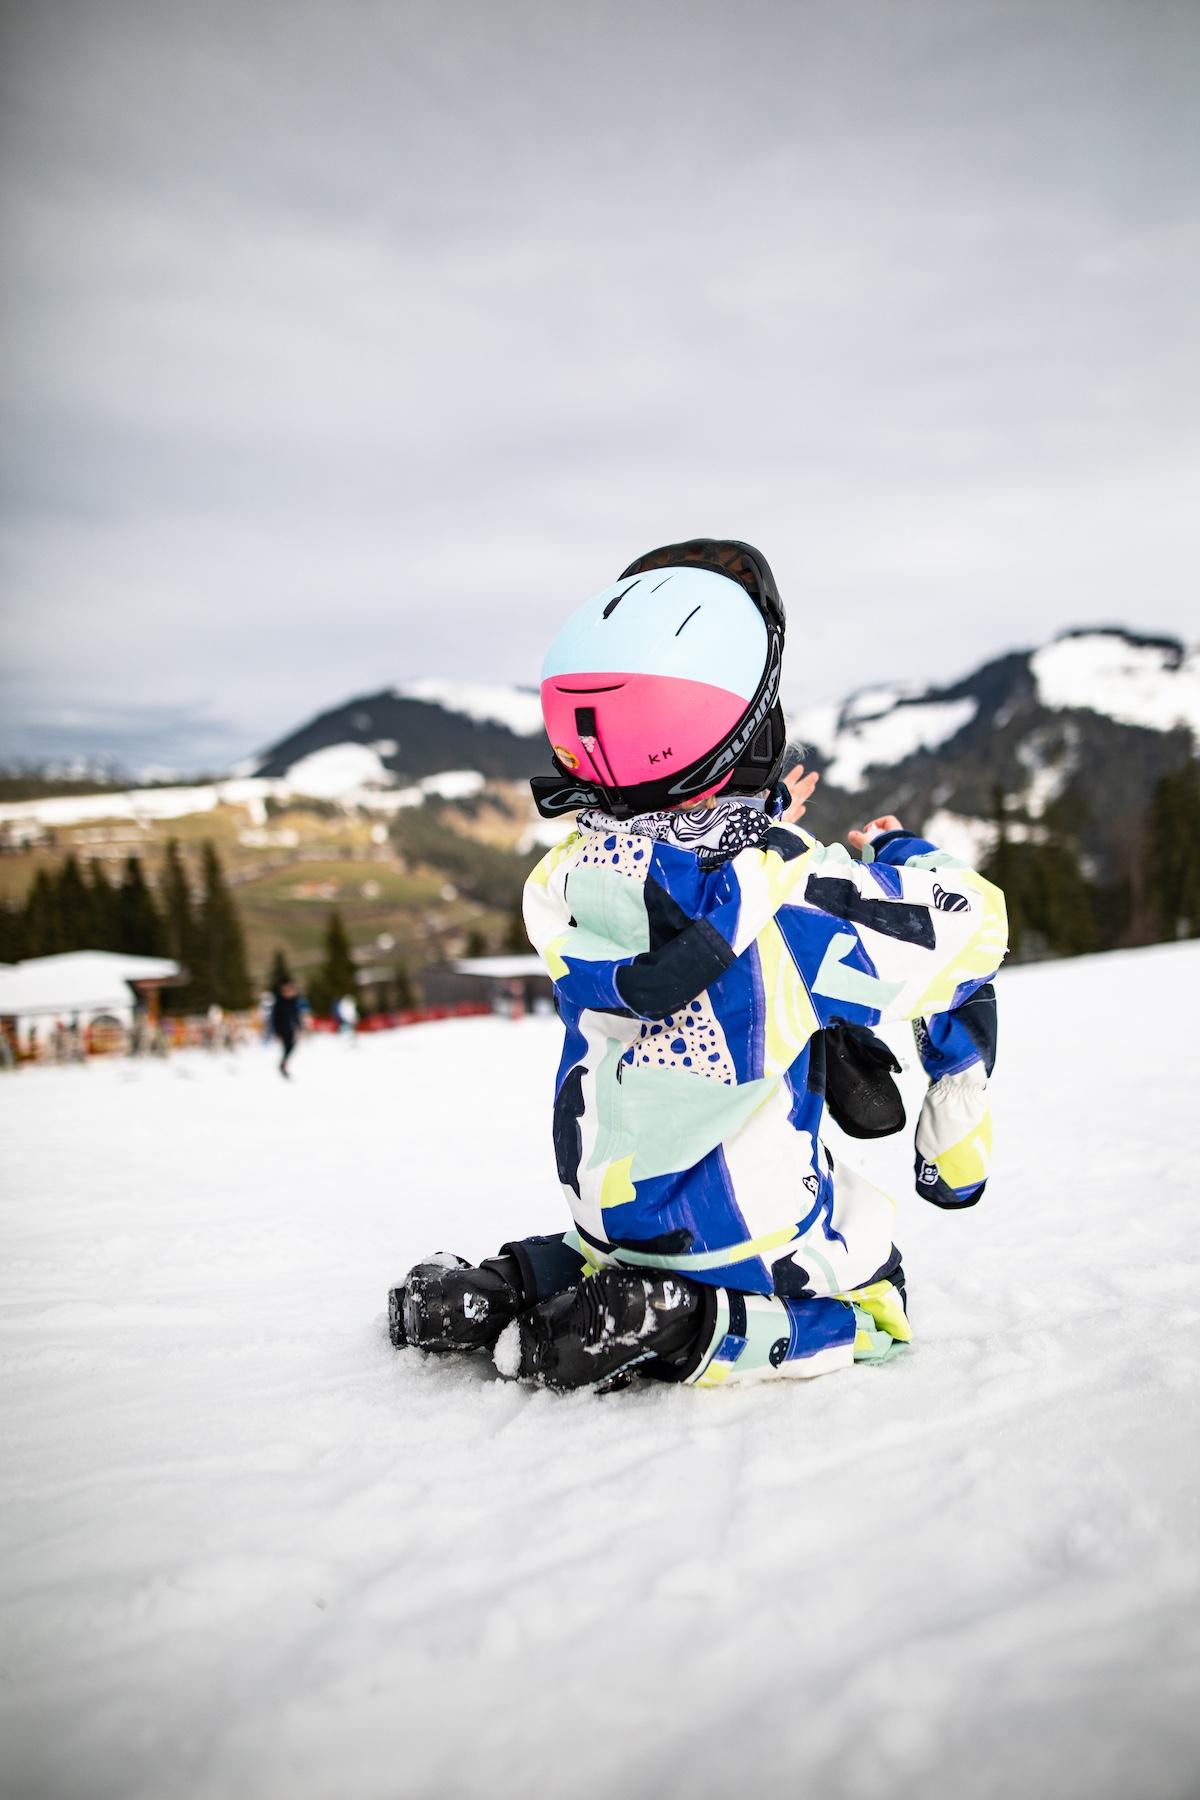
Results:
1150 684
1086 723
1079 729
404 734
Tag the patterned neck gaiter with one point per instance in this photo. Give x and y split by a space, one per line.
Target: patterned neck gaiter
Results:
713 833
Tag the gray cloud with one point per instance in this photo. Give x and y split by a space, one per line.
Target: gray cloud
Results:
345 344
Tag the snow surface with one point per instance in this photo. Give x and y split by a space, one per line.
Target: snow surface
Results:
960 834
135 803
453 784
1048 776
872 703
252 1551
1136 684
518 708
863 743
338 769
353 774
878 725
543 834
145 803
972 840
813 725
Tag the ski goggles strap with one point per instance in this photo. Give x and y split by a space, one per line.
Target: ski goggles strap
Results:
557 794
752 769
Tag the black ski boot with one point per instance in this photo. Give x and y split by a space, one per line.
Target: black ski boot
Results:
449 1304
604 1330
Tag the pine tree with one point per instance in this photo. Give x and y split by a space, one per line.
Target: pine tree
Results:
182 931
1001 869
73 899
221 976
403 998
1174 852
516 941
1051 904
1062 901
280 971
140 927
41 925
106 933
336 975
12 932
476 942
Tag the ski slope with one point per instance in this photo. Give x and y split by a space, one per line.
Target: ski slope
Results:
250 1551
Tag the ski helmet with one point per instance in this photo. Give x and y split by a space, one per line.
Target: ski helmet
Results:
665 685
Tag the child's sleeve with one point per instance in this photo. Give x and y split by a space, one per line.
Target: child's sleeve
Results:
954 1132
907 933
956 946
582 963
920 937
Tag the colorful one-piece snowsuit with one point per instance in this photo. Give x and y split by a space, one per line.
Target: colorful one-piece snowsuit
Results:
690 1093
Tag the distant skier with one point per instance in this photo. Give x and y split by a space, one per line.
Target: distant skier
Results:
717 972
285 1022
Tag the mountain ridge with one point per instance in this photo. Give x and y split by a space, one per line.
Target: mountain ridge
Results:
1088 721
1069 737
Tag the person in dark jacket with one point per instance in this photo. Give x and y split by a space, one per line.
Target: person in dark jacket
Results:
285 1022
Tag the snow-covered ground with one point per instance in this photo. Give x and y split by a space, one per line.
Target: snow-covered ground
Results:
1146 684
250 1551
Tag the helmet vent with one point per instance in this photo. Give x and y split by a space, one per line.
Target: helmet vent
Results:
617 599
762 747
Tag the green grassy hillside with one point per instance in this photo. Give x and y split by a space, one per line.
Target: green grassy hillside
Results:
416 889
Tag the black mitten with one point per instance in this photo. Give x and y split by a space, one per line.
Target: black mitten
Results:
859 1090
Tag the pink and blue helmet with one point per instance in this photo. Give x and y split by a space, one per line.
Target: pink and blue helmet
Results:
664 686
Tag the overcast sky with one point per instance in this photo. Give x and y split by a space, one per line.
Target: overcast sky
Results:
347 343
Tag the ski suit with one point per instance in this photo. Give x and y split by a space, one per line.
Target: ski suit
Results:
690 1093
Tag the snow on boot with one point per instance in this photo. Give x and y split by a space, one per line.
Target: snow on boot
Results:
447 1303
602 1330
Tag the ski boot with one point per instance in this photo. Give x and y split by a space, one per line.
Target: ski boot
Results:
446 1303
604 1330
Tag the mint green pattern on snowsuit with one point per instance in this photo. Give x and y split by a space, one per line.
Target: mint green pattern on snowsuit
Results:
687 1134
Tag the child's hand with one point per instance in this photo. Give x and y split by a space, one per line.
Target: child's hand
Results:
800 789
856 839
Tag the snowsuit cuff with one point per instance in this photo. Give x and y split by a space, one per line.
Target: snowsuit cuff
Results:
546 1265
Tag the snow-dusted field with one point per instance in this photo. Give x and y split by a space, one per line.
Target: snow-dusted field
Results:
250 1551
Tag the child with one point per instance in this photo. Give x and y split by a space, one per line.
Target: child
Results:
715 970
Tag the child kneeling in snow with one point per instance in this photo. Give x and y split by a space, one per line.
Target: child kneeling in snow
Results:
717 971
